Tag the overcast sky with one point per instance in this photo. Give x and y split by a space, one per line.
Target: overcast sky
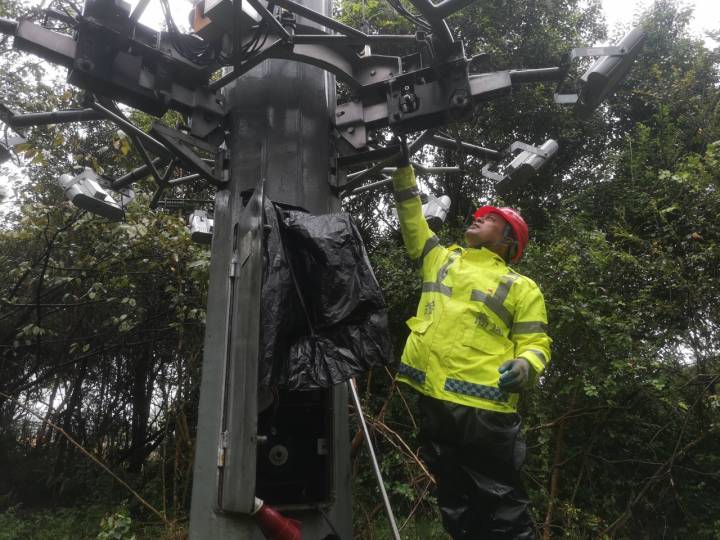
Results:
622 12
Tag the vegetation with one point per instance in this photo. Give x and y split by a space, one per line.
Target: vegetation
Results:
101 324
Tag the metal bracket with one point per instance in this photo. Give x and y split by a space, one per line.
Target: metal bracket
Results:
269 18
439 103
162 182
384 157
353 124
517 145
492 175
369 156
180 145
579 52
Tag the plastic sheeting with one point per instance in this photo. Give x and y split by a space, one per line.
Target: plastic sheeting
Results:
324 318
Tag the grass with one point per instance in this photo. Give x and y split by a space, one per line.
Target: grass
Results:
79 523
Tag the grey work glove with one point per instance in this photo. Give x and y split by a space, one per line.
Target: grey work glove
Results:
514 375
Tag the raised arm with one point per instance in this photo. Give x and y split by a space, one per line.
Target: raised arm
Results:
421 243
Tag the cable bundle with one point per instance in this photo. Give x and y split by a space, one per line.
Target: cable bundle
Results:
417 21
190 47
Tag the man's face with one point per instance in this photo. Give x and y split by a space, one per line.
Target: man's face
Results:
487 230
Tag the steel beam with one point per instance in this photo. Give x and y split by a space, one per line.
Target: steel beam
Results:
57 117
139 173
48 44
467 148
522 76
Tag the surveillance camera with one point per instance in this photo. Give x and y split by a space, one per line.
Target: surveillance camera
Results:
526 165
607 71
435 210
201 227
85 191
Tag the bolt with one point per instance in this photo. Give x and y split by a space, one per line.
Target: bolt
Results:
459 100
278 455
339 113
351 129
372 73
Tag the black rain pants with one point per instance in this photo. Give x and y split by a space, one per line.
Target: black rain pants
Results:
476 456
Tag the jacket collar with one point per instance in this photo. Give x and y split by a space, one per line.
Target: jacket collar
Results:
480 255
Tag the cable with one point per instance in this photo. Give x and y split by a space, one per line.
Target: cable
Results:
251 47
190 47
416 20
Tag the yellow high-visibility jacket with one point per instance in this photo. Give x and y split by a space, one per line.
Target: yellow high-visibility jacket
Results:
474 314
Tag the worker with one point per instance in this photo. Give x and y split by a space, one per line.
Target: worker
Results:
477 342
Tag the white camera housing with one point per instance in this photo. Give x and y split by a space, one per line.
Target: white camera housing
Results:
201 227
435 210
85 191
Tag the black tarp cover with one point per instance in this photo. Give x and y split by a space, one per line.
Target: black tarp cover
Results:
324 318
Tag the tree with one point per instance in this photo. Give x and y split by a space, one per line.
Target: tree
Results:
101 324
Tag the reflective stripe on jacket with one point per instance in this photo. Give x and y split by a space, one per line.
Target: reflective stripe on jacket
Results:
474 314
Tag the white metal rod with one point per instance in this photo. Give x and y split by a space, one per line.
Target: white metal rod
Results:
376 467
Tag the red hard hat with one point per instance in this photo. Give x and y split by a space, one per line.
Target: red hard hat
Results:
516 222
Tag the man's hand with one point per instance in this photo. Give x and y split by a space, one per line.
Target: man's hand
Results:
404 159
515 375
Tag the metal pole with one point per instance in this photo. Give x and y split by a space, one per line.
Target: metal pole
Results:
139 173
57 117
280 117
376 467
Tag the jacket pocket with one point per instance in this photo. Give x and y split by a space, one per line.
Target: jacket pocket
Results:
480 354
485 344
418 325
416 353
